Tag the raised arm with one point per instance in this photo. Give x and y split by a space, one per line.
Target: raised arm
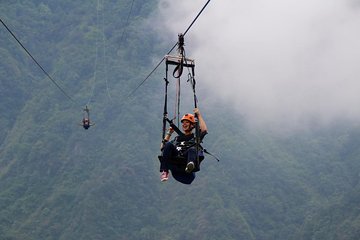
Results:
202 124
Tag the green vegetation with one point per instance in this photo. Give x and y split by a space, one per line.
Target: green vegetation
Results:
58 181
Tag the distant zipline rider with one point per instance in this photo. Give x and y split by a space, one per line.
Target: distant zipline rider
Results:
183 155
86 119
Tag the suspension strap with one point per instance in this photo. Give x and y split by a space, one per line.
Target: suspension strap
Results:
177 102
87 111
165 114
177 74
180 67
165 103
191 79
180 62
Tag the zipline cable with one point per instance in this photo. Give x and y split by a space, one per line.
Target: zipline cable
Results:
104 53
121 41
162 60
197 16
96 55
37 63
127 21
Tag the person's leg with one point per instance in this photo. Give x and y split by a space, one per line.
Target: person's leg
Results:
191 155
169 151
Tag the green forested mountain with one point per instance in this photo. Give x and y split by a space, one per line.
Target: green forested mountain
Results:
58 181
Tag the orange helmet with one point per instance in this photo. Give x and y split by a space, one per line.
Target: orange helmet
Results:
190 117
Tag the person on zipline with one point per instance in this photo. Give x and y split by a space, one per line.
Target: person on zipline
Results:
86 123
185 147
86 119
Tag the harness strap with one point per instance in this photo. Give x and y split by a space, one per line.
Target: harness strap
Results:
176 129
201 148
207 152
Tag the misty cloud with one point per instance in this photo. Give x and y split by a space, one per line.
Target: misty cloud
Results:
282 61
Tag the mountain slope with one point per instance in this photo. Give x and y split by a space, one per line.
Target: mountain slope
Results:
58 181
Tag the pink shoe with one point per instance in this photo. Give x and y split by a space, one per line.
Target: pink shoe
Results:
164 176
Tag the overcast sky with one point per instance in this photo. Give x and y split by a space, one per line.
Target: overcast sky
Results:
289 62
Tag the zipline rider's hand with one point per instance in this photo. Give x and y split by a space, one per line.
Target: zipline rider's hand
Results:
202 124
168 134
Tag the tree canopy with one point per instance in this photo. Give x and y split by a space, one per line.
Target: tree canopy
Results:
59 181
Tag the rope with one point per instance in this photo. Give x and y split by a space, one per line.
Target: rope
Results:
96 55
37 63
104 40
197 16
104 52
127 21
148 76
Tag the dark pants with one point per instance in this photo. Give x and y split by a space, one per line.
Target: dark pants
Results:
170 153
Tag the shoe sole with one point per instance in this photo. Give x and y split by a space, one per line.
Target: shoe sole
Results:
189 167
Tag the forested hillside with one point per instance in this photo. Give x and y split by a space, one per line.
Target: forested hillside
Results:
59 181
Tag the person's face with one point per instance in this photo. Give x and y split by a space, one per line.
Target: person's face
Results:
186 125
